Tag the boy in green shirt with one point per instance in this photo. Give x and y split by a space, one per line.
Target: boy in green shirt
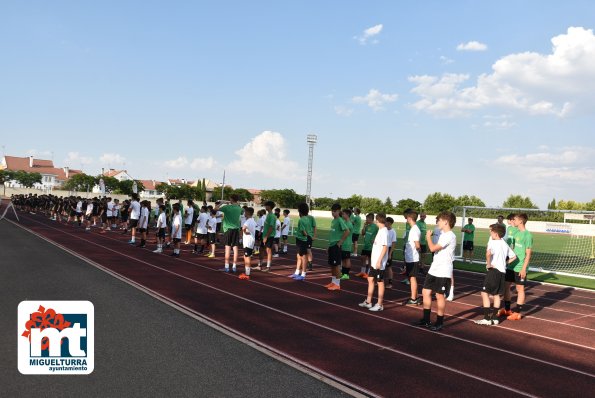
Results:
268 235
369 231
347 246
516 271
356 220
468 237
339 232
423 242
231 228
303 234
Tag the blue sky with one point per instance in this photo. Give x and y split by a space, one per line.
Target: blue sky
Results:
407 98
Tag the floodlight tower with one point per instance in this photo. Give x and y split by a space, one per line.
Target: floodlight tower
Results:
311 139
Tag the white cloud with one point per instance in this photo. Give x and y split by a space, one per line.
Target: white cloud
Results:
369 34
562 166
343 110
446 60
265 154
472 46
554 84
112 159
75 159
182 162
375 99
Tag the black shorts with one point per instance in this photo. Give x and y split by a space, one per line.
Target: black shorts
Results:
309 240
258 236
437 285
377 274
514 277
423 248
367 253
468 245
161 233
276 240
132 223
212 238
345 254
355 238
176 240
493 282
284 237
201 236
268 243
334 256
218 227
412 269
141 230
302 246
231 237
188 226
248 252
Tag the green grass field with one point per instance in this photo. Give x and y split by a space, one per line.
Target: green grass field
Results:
550 253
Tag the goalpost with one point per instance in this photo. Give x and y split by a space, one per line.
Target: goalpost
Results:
563 240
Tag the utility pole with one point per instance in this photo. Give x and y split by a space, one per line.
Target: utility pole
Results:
311 139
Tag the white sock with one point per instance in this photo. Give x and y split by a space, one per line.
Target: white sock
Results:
297 271
452 290
234 267
268 264
338 281
304 274
133 239
247 271
363 269
226 266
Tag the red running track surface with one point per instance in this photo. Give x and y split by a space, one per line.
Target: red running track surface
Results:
547 354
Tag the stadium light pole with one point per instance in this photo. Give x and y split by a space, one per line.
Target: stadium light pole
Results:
311 139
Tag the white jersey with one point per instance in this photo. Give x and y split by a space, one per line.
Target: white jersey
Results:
116 210
442 263
261 223
161 220
110 209
144 218
219 217
411 253
89 209
436 235
176 227
500 250
392 237
134 210
380 241
201 223
79 206
285 226
278 229
212 225
190 214
248 238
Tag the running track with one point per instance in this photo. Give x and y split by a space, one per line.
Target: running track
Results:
548 354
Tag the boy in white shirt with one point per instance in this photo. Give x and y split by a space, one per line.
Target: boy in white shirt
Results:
378 260
161 226
498 254
188 220
212 232
89 214
412 251
392 240
285 229
277 236
201 230
134 211
176 230
438 277
248 240
143 223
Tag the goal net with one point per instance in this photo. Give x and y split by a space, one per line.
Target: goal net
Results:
563 240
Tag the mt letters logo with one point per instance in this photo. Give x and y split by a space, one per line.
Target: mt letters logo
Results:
56 337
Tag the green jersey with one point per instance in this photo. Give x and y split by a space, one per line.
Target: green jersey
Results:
369 235
312 226
407 228
469 236
231 217
523 240
269 222
422 228
510 235
338 226
304 228
356 220
347 245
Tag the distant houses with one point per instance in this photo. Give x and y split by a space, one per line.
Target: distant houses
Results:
51 177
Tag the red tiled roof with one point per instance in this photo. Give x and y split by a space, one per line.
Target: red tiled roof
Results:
255 191
112 172
150 185
41 166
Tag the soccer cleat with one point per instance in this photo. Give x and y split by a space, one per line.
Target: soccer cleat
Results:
299 278
389 285
275 255
328 285
413 302
224 270
364 276
244 276
405 281
234 270
345 277
495 322
266 269
257 268
422 322
256 252
158 251
436 327
483 321
515 316
504 312
365 304
310 267
334 287
211 255
131 242
292 276
376 308
360 274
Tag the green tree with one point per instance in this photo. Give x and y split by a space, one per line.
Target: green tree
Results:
125 187
80 182
437 202
389 208
350 202
244 194
6 176
552 205
470 201
372 205
518 202
571 205
323 203
227 191
405 204
28 180
283 197
590 205
111 183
